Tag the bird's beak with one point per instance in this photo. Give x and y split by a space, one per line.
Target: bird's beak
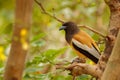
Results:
62 28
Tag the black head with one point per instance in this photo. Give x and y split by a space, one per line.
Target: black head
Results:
69 27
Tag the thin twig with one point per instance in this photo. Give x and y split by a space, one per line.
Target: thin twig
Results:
45 12
53 16
93 30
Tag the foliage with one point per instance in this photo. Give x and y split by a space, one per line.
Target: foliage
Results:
39 61
47 44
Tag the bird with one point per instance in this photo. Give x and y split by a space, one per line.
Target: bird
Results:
80 41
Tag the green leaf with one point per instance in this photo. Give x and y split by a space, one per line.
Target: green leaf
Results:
62 77
38 43
38 76
83 77
37 37
51 54
32 69
47 56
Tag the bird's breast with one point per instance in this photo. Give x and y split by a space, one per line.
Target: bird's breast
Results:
68 38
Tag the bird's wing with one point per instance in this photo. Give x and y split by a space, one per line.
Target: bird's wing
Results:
84 42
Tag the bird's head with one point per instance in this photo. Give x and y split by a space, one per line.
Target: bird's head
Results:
69 27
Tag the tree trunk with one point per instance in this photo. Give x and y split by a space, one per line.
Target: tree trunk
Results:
112 70
20 40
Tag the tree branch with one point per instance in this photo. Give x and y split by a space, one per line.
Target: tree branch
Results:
53 16
114 27
113 61
82 68
95 70
45 12
89 28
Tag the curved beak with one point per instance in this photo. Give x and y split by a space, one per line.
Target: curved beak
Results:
62 28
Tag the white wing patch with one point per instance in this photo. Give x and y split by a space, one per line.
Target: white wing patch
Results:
91 50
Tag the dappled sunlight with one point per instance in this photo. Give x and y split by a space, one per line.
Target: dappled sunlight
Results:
23 38
2 55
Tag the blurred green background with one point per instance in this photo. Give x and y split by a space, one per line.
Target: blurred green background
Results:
47 43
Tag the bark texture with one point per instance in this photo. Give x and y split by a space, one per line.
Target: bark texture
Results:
20 40
112 70
114 26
